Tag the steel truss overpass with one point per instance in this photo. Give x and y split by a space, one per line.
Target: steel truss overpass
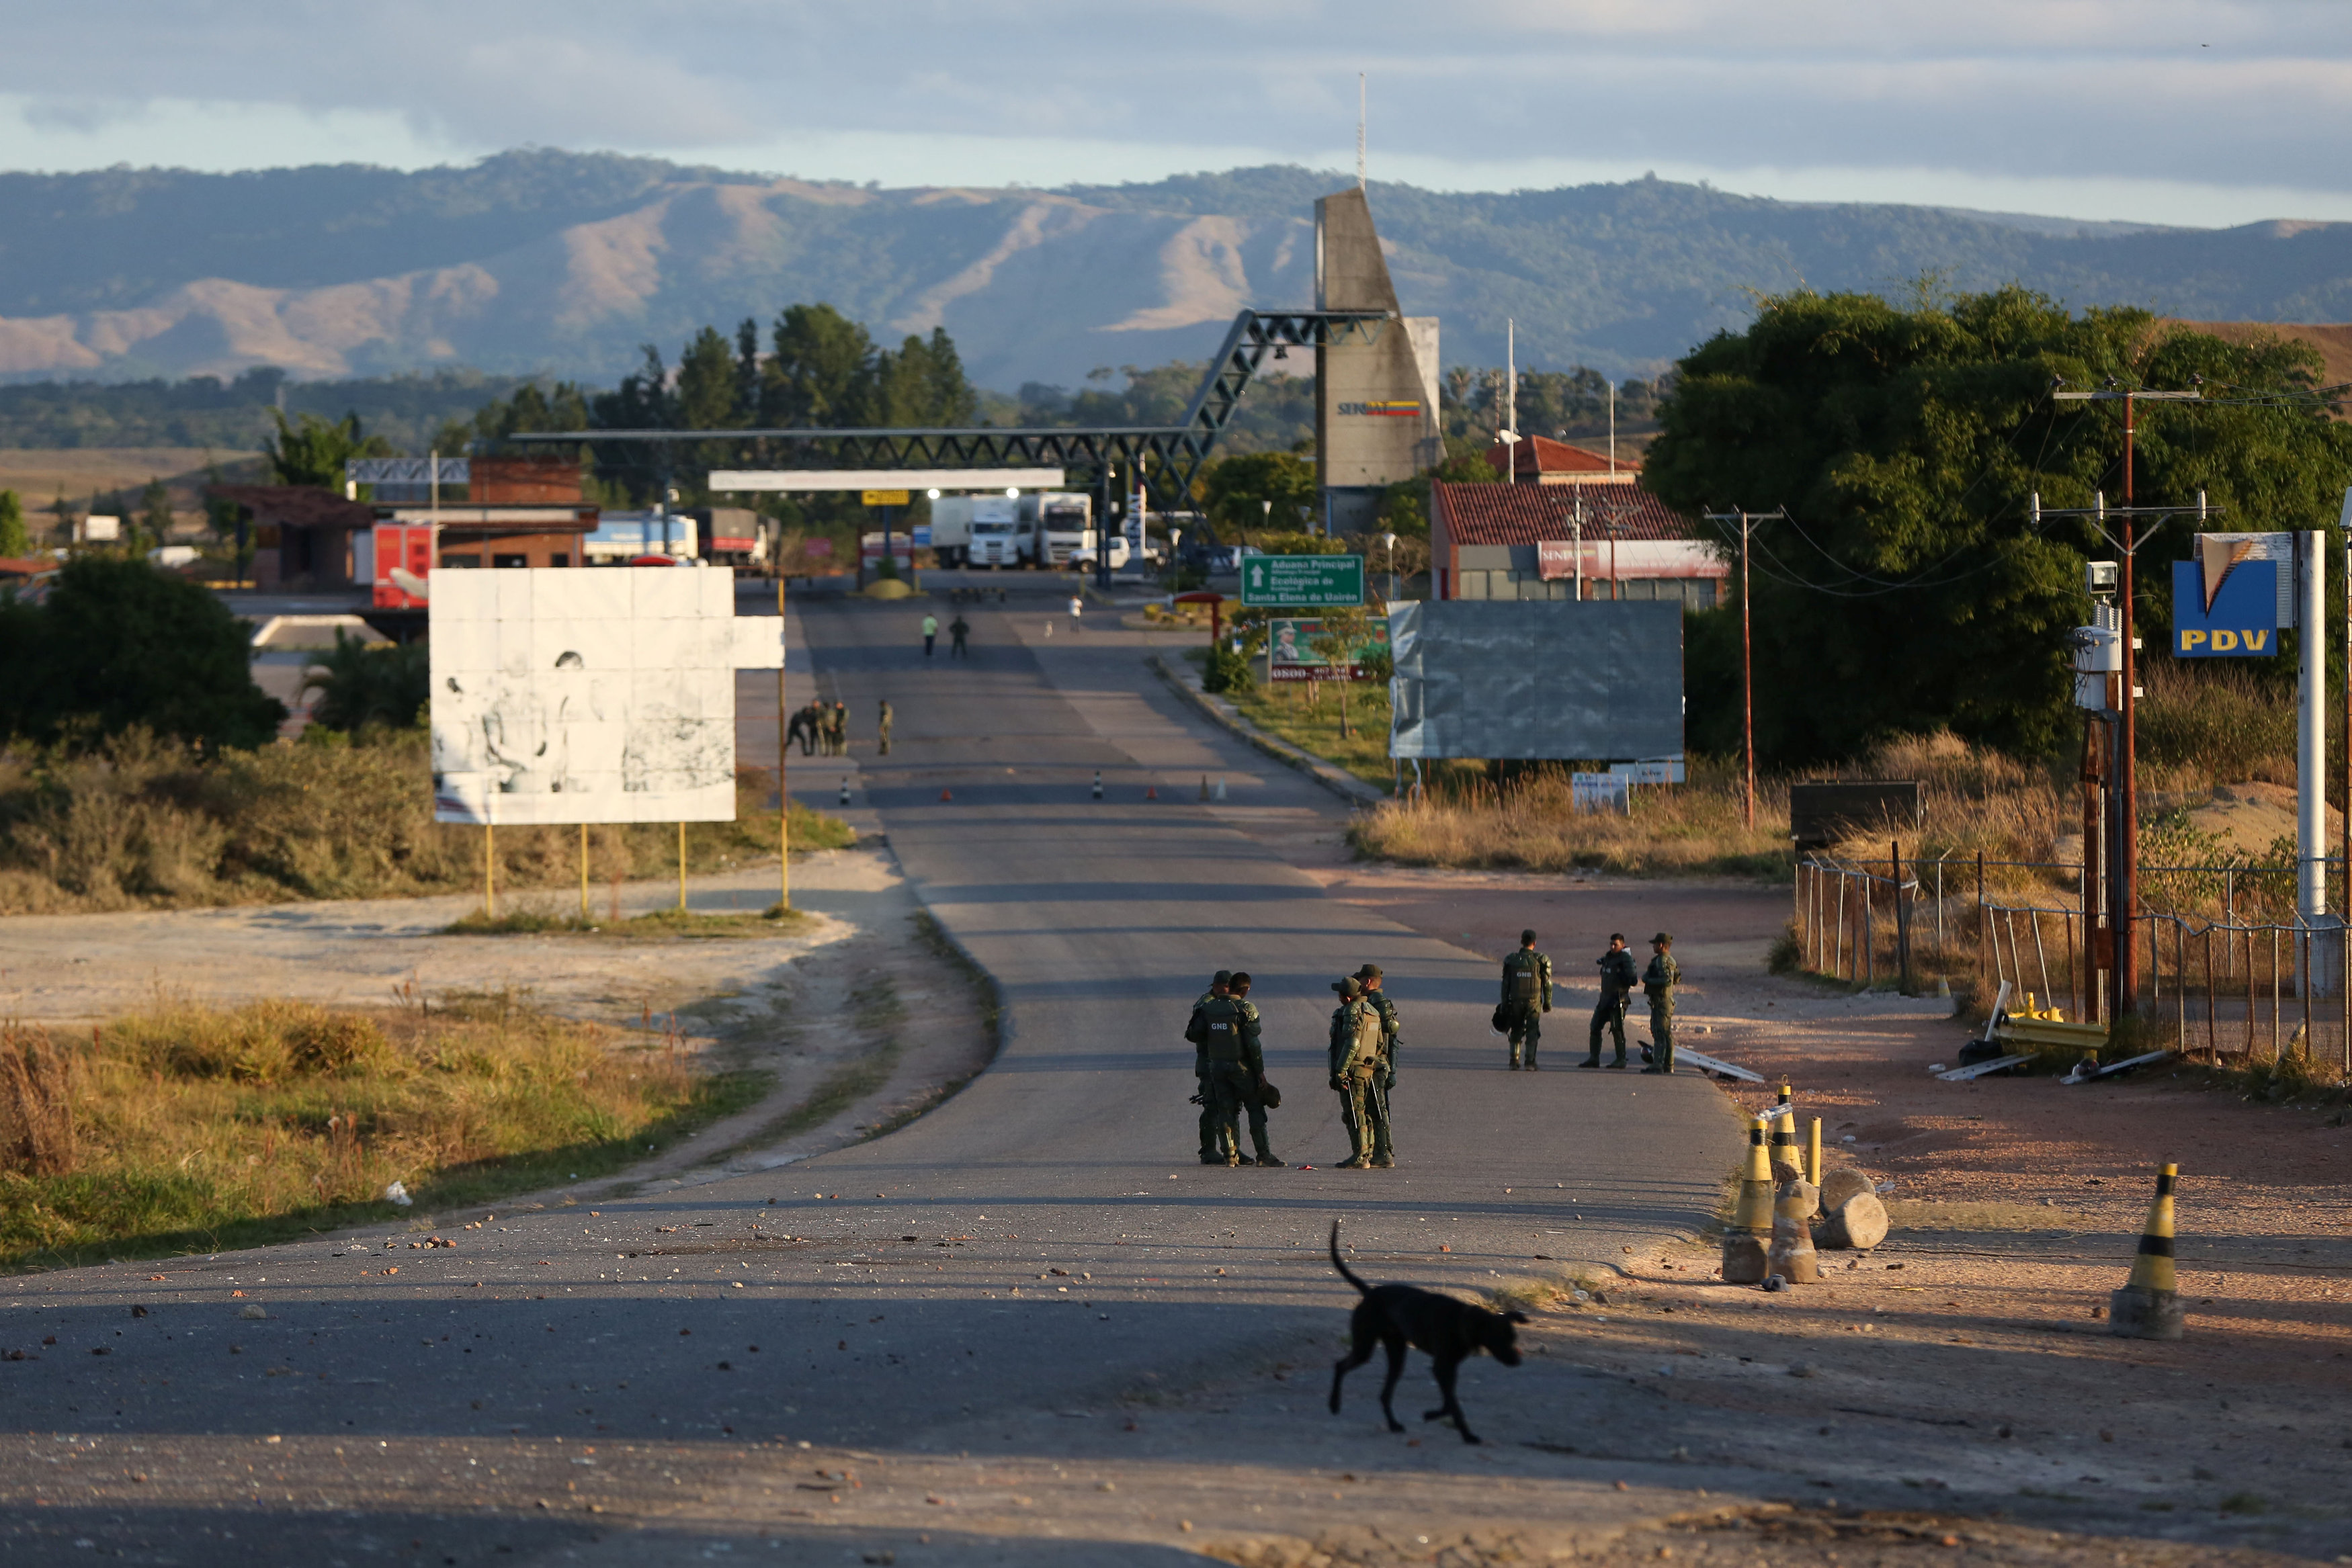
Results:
1167 457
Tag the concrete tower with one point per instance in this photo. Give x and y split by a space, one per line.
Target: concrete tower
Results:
1375 404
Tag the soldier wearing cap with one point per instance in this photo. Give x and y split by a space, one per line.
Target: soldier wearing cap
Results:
1376 997
1225 1030
1214 1150
1658 982
1526 997
1357 1070
1258 1096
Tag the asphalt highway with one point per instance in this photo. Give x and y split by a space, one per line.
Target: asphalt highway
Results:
1044 1243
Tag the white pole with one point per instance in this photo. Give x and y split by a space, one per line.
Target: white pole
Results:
1511 398
1612 429
2311 735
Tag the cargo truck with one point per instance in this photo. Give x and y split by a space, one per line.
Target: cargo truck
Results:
1064 525
984 531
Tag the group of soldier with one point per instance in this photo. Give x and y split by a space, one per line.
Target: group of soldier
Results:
1229 1057
822 729
1526 997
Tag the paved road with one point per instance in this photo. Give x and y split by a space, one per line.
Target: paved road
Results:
1045 1243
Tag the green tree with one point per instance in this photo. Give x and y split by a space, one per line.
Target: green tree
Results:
1909 588
117 645
15 539
312 450
821 372
365 684
154 520
1236 490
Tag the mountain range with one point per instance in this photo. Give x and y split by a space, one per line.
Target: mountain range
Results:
551 262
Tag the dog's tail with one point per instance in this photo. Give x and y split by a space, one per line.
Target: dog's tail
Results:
1339 1263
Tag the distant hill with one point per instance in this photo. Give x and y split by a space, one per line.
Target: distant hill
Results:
563 263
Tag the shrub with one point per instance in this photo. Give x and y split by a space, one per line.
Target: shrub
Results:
386 685
1225 671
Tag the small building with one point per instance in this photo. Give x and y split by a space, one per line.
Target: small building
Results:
1525 541
302 538
1539 460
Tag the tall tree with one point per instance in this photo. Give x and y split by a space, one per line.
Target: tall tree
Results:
15 541
821 372
1909 588
155 517
312 450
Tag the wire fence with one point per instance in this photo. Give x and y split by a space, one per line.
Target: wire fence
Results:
2246 987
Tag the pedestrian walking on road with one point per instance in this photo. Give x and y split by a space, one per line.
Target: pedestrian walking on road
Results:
1526 997
1376 997
1618 978
882 730
1356 1071
1658 983
930 633
1256 1096
958 631
1078 608
1224 1031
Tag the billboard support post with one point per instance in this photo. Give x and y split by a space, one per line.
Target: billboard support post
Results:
1747 521
2311 736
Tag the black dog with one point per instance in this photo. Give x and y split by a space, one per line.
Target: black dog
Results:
1400 1315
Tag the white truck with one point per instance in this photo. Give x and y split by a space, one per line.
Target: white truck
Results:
984 531
1064 525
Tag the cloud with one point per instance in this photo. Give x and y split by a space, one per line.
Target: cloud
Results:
2192 93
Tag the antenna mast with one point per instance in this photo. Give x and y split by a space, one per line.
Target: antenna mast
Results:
1360 131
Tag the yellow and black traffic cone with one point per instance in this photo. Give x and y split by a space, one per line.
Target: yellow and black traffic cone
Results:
1747 1239
2149 1306
1786 1161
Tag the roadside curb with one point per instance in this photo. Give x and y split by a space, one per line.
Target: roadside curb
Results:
1338 780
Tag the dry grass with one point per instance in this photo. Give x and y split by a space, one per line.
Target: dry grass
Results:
143 824
198 1129
2199 729
1696 829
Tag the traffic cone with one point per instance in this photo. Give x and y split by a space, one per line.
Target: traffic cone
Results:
1204 786
1745 1239
844 791
947 794
1221 789
1783 1147
2149 1306
1150 792
1098 783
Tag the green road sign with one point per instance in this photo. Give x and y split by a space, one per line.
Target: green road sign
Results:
1302 580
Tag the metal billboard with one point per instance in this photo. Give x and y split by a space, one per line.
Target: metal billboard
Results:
1537 680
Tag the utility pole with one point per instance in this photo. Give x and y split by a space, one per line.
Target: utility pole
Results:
1747 521
1510 431
1360 131
1576 533
2123 979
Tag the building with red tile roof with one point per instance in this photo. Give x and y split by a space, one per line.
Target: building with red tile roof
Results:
1541 541
1543 461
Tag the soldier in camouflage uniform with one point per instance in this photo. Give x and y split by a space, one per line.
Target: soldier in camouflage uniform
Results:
1356 1072
1617 981
1526 995
882 728
1226 1032
1254 1088
1658 982
1214 1151
1376 997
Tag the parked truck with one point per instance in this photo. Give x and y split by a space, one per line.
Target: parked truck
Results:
1064 525
984 531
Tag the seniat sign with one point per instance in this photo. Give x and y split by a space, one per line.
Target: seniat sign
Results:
2225 610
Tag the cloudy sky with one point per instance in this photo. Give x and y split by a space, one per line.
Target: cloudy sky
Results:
2186 111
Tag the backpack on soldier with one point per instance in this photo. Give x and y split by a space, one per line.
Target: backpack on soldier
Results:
1526 985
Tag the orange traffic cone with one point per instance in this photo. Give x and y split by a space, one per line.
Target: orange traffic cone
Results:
947 794
1150 792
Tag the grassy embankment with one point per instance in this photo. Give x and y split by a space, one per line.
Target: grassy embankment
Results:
1309 719
187 1129
2196 731
140 824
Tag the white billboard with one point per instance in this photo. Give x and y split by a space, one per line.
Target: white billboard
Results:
588 693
